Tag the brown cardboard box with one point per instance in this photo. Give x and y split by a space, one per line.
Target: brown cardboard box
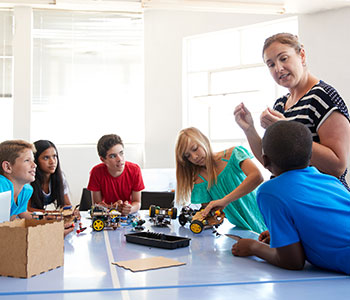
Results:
30 247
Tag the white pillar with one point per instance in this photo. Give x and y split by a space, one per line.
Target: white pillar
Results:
22 58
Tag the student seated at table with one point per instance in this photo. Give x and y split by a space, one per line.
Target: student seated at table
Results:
229 177
306 212
115 182
17 170
50 185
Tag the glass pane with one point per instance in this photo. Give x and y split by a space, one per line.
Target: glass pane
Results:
240 80
6 75
213 51
253 38
88 77
199 112
197 84
244 79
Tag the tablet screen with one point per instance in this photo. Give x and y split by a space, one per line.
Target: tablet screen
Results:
5 206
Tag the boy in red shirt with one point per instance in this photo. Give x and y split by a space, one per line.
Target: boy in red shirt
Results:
115 182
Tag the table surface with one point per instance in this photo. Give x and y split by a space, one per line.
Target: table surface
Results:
210 272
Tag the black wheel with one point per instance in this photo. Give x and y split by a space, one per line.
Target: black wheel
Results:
174 213
196 226
152 211
182 219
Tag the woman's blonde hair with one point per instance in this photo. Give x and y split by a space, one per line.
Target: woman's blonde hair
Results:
186 172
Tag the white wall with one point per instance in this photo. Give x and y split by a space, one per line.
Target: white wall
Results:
327 43
164 32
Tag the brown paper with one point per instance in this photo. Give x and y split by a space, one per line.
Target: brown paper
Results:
150 263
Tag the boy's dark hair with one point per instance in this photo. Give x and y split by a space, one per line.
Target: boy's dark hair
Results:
10 150
57 189
106 142
288 144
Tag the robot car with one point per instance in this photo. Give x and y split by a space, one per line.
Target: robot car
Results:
104 217
162 216
197 222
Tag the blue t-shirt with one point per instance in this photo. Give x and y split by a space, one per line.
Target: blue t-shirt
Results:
313 208
23 197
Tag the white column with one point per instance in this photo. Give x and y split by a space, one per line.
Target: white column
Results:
22 55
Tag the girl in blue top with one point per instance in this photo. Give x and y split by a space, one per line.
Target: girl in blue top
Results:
229 176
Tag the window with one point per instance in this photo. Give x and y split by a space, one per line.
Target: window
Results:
223 69
88 76
6 75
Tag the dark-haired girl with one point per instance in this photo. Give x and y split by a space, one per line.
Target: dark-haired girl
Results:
50 185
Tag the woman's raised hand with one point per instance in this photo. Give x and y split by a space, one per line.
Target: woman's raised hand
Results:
243 117
269 117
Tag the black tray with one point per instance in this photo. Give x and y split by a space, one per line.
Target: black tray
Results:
159 240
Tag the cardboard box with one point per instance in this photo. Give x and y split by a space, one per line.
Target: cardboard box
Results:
31 247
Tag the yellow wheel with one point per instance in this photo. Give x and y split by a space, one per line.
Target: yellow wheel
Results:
113 213
98 225
196 226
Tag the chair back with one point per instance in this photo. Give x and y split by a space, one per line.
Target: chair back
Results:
86 200
161 199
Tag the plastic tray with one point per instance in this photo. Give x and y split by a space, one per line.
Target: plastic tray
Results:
157 240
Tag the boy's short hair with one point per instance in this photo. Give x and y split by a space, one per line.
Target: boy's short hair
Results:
288 144
11 150
106 142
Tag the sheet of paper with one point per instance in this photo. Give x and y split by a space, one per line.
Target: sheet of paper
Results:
150 263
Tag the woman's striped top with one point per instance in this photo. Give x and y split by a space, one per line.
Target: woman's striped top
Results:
314 108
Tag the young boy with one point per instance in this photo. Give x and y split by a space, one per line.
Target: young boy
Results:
115 181
306 212
17 170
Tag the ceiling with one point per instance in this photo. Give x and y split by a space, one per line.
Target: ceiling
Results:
231 6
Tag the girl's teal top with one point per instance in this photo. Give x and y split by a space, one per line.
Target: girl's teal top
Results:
243 212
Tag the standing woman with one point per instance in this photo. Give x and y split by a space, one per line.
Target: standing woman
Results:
310 101
229 177
50 185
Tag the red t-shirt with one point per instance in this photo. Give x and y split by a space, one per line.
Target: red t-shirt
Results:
116 188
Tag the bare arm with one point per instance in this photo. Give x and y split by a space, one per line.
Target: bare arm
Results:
332 153
31 209
25 215
245 121
290 257
126 208
96 197
253 179
67 201
136 201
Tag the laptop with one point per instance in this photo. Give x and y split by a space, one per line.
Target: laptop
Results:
5 206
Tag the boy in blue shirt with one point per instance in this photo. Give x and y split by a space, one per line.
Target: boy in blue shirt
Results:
306 212
17 170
